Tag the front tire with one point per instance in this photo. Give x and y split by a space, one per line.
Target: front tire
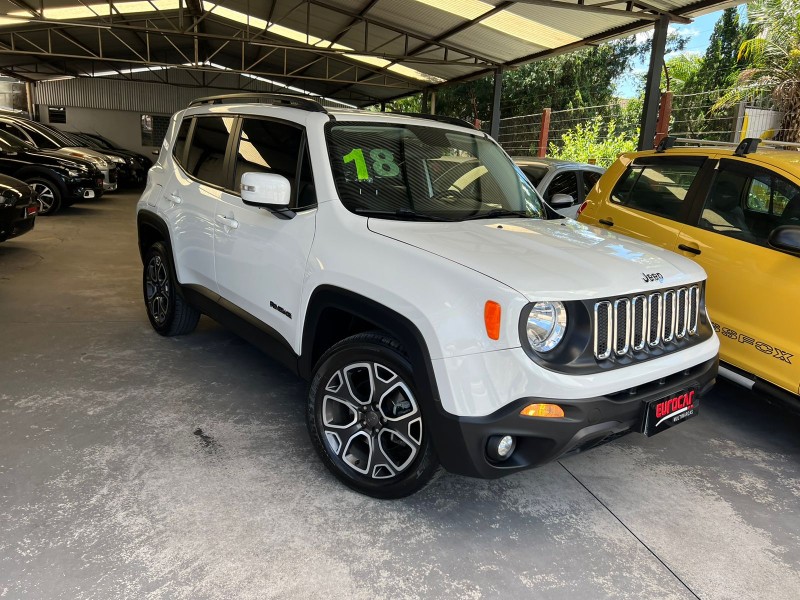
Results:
47 195
365 419
167 310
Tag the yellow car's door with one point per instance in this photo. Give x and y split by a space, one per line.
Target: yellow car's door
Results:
650 200
753 290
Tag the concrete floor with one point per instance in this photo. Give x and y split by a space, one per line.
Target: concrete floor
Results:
107 492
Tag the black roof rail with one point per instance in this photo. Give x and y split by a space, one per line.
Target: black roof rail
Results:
440 118
747 146
262 98
666 143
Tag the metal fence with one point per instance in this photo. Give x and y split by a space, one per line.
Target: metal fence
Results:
693 115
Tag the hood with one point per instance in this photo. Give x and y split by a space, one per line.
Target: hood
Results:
82 153
548 260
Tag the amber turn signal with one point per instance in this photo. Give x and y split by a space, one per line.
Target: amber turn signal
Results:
553 411
491 317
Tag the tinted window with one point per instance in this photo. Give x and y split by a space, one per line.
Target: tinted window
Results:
41 140
206 157
534 173
10 142
658 188
589 179
565 182
13 130
180 141
271 147
747 204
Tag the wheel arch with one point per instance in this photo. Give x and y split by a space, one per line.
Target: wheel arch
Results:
29 171
151 229
365 314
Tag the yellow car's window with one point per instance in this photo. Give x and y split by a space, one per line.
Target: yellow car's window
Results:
658 188
747 204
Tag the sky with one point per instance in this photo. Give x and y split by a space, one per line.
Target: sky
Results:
699 33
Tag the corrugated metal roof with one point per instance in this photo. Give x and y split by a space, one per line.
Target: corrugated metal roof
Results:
360 51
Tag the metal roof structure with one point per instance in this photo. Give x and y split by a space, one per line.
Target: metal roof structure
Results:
358 51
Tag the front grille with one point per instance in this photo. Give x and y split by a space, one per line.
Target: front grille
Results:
631 325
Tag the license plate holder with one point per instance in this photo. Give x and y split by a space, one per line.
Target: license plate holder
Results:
668 411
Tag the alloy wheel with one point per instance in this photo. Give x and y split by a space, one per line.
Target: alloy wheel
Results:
371 420
157 289
44 196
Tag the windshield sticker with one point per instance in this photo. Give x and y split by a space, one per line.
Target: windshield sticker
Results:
383 164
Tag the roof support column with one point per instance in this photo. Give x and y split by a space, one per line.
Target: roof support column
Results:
652 88
498 90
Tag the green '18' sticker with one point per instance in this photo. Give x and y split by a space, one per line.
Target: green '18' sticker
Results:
383 164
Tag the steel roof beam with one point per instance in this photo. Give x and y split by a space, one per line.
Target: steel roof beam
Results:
611 12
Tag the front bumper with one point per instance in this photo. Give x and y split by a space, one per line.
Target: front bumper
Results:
461 441
16 220
109 179
84 188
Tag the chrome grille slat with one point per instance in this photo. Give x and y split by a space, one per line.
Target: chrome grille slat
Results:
670 314
639 310
622 326
683 313
602 330
644 322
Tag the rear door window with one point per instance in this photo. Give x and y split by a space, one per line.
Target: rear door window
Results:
589 179
658 187
205 159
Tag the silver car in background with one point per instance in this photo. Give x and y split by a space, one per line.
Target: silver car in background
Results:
562 183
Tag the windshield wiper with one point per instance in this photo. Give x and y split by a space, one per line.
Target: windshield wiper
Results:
403 213
499 212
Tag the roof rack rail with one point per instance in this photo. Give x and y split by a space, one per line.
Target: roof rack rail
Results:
262 98
440 118
770 143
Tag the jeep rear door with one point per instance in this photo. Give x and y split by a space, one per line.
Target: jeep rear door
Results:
260 256
191 196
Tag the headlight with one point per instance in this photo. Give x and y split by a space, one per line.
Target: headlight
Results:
117 159
74 173
547 323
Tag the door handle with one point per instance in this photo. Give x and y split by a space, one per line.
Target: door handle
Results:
608 222
174 198
686 248
229 222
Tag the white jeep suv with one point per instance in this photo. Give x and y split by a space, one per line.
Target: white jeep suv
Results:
406 267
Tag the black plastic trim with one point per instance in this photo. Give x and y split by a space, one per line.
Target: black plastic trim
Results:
587 422
242 323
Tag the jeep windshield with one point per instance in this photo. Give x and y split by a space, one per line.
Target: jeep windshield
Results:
415 172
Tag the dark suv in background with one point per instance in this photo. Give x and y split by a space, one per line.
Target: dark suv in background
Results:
56 180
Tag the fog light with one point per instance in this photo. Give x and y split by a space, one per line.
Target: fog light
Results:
500 447
552 411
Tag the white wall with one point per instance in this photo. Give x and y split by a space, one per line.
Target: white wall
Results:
119 126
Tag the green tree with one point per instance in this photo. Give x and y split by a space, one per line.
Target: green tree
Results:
772 51
596 139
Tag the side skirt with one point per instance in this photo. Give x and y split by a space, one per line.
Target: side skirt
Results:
242 323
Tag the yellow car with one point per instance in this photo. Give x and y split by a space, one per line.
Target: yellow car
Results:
737 213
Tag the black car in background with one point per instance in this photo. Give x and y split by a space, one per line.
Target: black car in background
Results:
18 208
56 180
105 144
132 173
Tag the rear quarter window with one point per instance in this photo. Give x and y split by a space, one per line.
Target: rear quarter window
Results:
657 187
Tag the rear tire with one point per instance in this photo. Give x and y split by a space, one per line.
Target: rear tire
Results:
167 310
365 419
48 195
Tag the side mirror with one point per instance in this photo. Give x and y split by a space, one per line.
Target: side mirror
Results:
786 238
561 201
267 190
